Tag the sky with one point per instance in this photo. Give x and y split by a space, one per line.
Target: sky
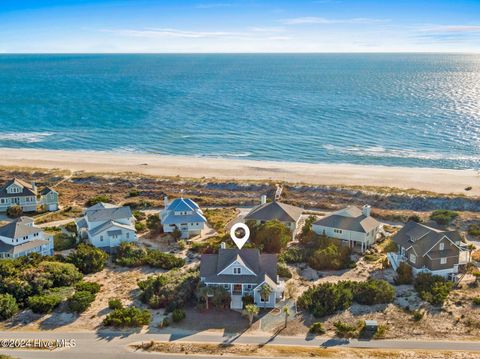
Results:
203 26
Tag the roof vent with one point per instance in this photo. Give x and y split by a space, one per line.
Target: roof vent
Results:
366 210
223 245
263 199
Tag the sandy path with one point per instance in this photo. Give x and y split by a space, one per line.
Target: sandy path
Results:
427 179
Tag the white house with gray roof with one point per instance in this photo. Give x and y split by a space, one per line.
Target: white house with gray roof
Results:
268 211
21 237
26 195
182 214
355 227
243 272
106 226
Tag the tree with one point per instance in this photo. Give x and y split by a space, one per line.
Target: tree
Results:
286 311
471 247
271 236
176 234
14 211
265 291
204 292
251 310
88 259
404 274
80 301
8 306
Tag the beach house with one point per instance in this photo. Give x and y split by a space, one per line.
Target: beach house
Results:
21 237
26 195
353 226
430 250
182 214
243 272
105 226
267 211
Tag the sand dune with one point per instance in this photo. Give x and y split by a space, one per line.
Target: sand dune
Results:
427 179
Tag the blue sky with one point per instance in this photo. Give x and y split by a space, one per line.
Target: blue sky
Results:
239 26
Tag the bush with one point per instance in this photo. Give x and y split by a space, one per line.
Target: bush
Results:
293 255
128 317
414 218
346 330
404 274
97 199
317 328
43 304
71 227
331 257
474 230
178 315
57 274
80 301
373 291
417 315
140 226
443 216
8 306
14 211
476 300
283 271
248 299
158 259
153 222
432 288
115 303
88 259
62 241
270 237
131 255
91 287
134 192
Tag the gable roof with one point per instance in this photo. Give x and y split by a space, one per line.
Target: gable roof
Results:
182 205
110 224
107 212
349 219
12 249
17 229
263 265
422 238
27 189
275 210
47 190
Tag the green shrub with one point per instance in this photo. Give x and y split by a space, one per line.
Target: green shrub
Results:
140 226
115 303
327 298
346 330
88 259
417 315
58 274
153 222
443 216
389 246
128 317
97 199
373 291
130 255
476 300
62 241
293 255
8 306
414 218
333 256
269 237
71 227
80 301
317 328
432 288
91 287
474 230
381 332
14 211
178 315
404 274
45 303
283 271
165 323
134 192
158 259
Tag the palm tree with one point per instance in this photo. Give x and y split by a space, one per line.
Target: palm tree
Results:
265 292
287 313
204 292
471 247
251 310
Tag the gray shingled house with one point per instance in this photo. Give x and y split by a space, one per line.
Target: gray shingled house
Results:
242 272
17 192
268 211
355 227
428 249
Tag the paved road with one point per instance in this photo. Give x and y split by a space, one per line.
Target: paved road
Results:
115 345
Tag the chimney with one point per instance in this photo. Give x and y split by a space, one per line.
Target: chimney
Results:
223 245
165 201
263 199
366 210
34 187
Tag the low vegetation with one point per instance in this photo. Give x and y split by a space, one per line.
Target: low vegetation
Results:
115 303
269 237
8 306
404 274
80 301
328 298
44 303
97 199
128 317
218 218
317 328
131 255
63 241
14 211
88 259
443 216
432 288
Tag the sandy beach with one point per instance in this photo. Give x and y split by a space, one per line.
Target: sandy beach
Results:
425 179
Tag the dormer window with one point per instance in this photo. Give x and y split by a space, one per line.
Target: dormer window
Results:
237 270
441 246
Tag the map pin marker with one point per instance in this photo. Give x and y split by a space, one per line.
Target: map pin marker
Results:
240 241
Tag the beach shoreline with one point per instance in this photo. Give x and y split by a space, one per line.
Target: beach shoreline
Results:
445 181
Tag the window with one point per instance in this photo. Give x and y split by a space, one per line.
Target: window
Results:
441 246
413 258
128 235
338 231
237 270
101 238
443 260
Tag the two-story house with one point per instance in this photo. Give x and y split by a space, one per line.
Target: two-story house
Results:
428 249
18 192
182 214
268 211
353 226
243 272
21 237
106 226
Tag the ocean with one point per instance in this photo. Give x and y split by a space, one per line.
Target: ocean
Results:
414 110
